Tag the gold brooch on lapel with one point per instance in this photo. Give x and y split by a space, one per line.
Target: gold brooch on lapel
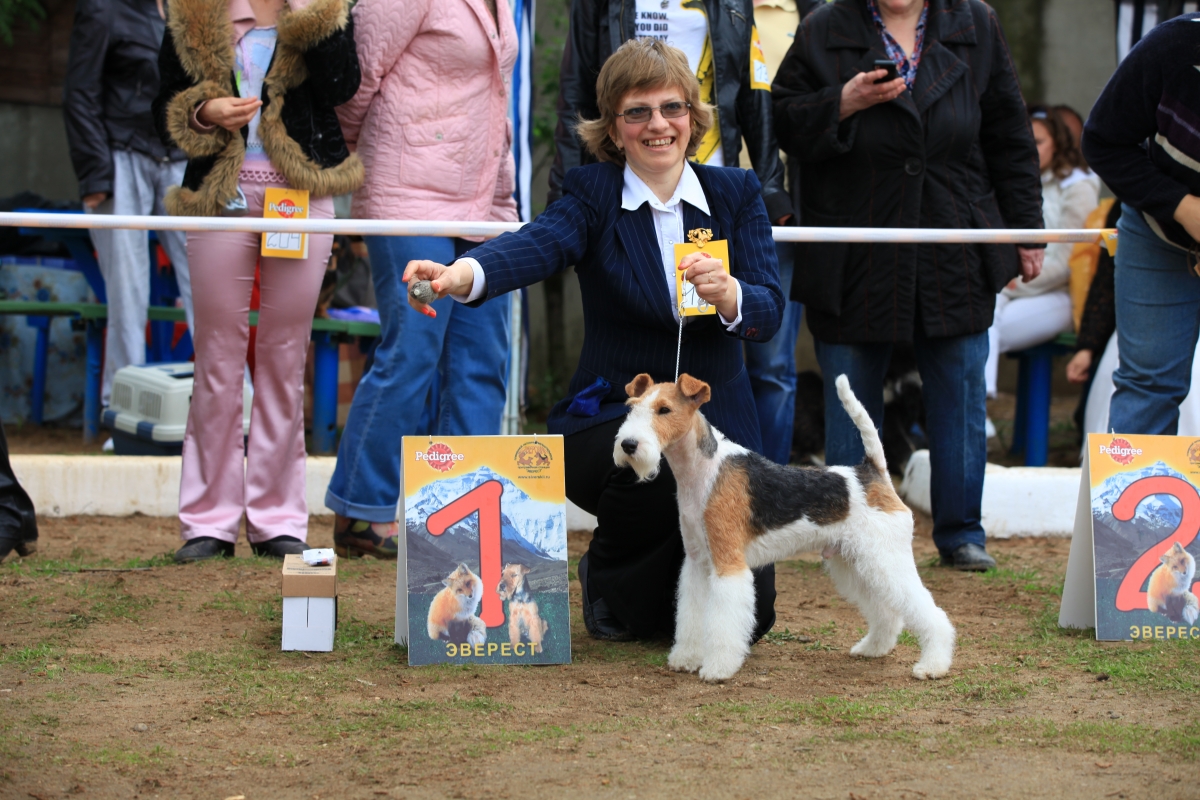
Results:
700 236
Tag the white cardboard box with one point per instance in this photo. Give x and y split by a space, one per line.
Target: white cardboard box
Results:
309 604
308 623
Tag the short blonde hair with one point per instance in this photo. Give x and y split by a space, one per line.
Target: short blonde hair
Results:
641 64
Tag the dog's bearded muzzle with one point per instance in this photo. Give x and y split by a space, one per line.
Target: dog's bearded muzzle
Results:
636 452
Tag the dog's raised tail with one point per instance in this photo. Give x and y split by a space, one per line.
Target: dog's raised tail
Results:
862 420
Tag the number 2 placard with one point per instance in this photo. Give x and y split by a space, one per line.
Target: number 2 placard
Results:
1132 568
482 572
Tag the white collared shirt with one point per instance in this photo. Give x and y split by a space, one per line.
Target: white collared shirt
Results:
668 226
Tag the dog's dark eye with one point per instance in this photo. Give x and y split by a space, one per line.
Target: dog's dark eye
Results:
664 409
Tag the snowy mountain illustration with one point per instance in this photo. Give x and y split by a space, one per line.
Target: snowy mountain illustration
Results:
1160 510
536 527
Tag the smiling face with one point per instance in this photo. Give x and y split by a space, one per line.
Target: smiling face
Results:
659 146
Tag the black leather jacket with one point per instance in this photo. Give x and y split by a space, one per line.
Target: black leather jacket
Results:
599 27
112 77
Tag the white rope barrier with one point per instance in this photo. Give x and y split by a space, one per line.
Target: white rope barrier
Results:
489 230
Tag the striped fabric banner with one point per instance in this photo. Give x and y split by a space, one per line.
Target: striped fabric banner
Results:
521 107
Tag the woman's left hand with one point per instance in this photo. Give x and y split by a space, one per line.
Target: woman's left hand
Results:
1031 262
713 284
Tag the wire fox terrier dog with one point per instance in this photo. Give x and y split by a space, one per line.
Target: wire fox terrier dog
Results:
737 511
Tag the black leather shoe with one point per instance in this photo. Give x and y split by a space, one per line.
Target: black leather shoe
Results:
278 547
597 618
10 541
203 548
969 557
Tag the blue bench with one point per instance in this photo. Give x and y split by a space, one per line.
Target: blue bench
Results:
1031 427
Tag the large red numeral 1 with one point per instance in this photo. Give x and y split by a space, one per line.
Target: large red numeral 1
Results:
1130 596
484 498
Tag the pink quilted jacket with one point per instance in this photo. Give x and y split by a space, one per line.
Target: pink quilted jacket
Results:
430 118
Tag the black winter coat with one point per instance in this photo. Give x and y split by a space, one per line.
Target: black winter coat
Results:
314 69
599 27
112 77
955 152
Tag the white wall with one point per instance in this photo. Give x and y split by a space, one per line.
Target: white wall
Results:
1079 51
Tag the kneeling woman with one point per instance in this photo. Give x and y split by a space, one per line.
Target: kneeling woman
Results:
618 223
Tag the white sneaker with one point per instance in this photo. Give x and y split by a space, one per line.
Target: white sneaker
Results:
989 428
107 447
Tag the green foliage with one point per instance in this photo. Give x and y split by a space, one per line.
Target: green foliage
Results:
13 12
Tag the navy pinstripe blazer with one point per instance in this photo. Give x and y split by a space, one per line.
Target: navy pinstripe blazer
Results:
628 326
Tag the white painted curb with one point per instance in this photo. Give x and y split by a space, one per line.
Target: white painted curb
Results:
117 486
1017 501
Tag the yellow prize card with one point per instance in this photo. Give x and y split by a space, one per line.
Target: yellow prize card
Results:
285 204
699 241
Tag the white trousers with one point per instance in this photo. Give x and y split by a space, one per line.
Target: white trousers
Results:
140 184
1024 322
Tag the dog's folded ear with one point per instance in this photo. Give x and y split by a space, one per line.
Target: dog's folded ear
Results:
638 386
694 389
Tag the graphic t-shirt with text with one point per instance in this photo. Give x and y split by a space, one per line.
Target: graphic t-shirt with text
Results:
684 24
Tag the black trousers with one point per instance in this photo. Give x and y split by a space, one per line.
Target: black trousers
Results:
17 520
636 552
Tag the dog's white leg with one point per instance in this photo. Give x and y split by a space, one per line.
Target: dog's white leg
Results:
729 624
691 600
923 617
883 623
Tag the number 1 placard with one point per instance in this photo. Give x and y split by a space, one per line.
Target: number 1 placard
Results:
482 572
1131 572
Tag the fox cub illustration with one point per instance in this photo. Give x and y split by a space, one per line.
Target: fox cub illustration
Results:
452 612
524 621
1170 586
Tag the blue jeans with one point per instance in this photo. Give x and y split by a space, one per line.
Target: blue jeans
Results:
955 410
467 348
772 369
1158 318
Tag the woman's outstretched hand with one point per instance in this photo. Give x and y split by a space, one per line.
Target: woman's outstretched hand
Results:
457 279
861 92
713 284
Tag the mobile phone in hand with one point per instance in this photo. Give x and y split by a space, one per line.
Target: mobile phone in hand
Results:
890 66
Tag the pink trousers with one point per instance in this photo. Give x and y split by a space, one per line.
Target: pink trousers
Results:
215 491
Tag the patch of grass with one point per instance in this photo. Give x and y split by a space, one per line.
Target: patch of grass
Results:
907 638
30 655
271 611
79 560
1097 737
228 600
784 636
120 755
1026 578
1158 666
821 711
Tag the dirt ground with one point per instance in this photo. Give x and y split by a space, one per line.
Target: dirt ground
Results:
168 681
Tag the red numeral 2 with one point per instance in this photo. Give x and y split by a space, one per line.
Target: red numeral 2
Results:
1130 596
484 498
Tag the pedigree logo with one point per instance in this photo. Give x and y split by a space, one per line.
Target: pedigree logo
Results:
440 457
1121 451
286 208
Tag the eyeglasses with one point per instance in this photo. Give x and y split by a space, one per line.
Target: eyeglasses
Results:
640 114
